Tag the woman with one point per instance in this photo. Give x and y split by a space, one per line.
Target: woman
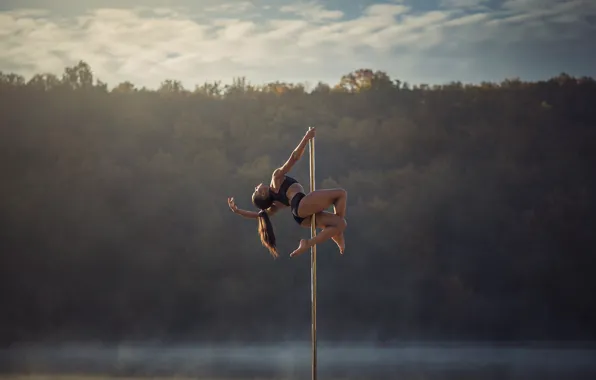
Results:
284 191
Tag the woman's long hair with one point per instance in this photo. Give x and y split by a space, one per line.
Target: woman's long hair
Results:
265 226
266 233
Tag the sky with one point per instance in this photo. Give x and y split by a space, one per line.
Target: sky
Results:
194 41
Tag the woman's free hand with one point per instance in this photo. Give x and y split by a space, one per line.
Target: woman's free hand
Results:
232 204
310 134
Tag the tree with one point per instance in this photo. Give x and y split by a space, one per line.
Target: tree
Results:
125 88
171 86
45 82
78 76
365 79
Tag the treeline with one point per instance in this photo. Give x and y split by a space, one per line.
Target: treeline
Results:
471 211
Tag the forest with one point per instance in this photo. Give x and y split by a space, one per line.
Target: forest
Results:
471 211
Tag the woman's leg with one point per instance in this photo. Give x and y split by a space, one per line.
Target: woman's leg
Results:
332 225
340 210
320 219
341 204
320 200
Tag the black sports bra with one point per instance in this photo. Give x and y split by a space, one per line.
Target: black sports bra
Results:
281 195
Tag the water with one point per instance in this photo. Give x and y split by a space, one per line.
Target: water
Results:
293 360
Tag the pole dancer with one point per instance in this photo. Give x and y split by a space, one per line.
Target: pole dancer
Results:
284 191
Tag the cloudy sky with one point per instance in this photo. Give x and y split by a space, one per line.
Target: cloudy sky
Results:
419 41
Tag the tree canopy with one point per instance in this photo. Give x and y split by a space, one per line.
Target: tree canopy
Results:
471 211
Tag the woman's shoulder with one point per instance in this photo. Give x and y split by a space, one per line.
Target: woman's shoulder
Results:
278 174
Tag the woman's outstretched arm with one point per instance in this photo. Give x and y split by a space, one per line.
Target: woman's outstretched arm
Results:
244 213
297 153
248 214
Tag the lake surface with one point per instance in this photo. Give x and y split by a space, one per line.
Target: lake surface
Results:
293 360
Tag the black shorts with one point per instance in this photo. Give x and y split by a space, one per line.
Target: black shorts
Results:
294 207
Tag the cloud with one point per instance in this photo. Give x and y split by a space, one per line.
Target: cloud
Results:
527 4
294 42
238 7
462 3
544 20
312 11
468 19
385 10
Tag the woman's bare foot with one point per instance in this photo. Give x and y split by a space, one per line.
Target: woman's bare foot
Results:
340 241
303 247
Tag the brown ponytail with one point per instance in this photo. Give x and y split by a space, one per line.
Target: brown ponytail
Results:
266 233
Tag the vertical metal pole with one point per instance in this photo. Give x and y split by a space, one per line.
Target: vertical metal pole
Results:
313 265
